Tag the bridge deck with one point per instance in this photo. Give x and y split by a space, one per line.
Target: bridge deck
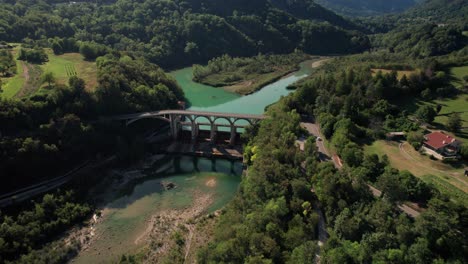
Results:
183 112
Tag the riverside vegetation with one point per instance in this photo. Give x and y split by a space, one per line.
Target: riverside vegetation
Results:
271 219
246 75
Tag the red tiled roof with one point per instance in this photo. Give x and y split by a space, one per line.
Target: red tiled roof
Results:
438 140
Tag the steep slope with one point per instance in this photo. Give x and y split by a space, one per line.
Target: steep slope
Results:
440 11
183 32
367 7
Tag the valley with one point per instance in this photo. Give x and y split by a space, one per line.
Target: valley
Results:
203 131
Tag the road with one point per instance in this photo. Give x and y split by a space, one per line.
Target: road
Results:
182 112
324 154
45 186
33 190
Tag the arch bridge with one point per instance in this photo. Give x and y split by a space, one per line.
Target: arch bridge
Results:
193 119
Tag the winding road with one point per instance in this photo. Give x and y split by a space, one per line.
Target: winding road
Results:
324 155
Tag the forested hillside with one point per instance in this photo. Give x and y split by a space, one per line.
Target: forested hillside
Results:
367 7
176 33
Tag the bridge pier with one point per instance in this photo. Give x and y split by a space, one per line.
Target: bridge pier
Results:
175 126
232 140
214 128
180 118
195 131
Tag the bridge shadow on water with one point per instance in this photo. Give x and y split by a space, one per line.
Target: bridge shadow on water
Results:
173 168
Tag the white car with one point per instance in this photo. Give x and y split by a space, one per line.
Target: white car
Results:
318 139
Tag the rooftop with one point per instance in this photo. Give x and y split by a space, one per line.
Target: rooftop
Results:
438 139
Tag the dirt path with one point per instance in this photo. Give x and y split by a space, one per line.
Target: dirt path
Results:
319 63
26 77
25 71
32 82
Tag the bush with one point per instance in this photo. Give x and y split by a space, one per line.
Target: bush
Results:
426 113
415 139
464 152
36 55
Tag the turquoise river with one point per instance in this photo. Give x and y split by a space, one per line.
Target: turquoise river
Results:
126 215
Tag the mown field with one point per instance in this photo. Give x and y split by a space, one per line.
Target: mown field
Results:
12 85
458 73
457 104
447 178
27 81
71 64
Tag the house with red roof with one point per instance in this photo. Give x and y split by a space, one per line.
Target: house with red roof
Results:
441 145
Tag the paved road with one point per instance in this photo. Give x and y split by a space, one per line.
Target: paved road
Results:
325 156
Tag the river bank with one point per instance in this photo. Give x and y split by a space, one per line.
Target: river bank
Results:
246 84
137 212
207 150
247 75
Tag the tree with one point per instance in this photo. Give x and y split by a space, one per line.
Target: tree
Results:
391 187
464 152
48 78
465 78
454 122
352 154
415 139
426 113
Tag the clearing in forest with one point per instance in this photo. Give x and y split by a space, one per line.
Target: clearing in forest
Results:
447 178
27 80
458 73
71 64
400 74
12 85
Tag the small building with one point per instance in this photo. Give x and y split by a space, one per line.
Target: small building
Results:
395 135
441 145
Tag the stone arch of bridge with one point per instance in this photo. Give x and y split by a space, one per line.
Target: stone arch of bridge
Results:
147 117
205 117
243 119
225 118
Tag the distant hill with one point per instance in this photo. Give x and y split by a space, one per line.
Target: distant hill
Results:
367 7
440 11
178 33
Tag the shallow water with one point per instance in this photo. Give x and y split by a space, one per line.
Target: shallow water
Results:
126 217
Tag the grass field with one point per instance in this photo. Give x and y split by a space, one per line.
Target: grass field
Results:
71 64
458 73
27 79
449 179
400 74
13 84
458 104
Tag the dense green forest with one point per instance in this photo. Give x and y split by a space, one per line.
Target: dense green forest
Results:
350 106
367 7
273 218
30 230
176 33
52 132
